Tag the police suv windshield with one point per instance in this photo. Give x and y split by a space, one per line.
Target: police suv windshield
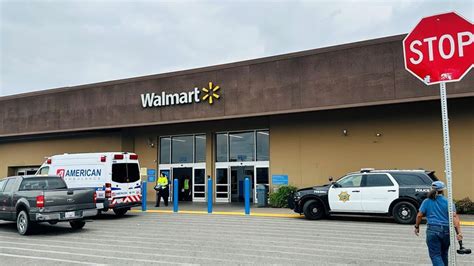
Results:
125 172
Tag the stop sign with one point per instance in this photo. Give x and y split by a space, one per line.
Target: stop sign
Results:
440 48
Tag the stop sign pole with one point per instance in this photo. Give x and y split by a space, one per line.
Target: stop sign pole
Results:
447 167
440 49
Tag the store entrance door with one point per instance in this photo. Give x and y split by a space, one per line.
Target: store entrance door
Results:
184 176
238 175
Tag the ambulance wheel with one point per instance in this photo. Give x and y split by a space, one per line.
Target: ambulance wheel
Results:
313 210
23 223
77 225
120 212
404 213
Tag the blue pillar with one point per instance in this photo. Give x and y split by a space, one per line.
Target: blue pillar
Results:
175 195
209 194
144 196
247 195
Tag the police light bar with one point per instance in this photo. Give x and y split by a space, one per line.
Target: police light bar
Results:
48 161
103 159
118 156
133 157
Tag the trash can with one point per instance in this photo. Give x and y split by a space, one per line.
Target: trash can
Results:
262 195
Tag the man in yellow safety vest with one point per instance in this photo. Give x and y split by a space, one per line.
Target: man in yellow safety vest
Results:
162 190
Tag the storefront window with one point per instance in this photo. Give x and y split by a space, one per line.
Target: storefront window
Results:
263 139
242 146
182 149
200 146
165 144
221 147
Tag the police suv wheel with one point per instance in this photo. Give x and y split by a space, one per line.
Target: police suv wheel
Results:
404 213
23 224
313 210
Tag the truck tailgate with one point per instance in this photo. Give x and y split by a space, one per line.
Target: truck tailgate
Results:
68 200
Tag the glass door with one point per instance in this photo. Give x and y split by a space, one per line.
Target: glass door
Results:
261 178
199 184
222 184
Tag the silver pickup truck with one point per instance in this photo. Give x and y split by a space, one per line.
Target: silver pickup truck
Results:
33 199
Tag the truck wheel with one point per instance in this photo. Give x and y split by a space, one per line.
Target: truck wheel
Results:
120 212
53 222
23 223
313 210
77 225
404 213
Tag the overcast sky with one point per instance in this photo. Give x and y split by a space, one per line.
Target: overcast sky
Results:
50 44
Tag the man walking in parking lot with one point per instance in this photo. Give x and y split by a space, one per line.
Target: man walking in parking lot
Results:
435 208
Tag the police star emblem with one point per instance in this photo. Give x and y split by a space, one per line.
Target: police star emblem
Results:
344 196
211 93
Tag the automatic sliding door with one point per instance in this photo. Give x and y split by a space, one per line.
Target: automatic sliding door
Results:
262 178
222 185
199 190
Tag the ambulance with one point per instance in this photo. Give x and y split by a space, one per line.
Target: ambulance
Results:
114 175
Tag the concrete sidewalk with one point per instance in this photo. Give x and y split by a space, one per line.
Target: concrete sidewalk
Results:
238 209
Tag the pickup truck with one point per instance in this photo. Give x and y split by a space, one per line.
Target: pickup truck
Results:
29 200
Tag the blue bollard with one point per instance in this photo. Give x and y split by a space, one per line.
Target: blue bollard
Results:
175 195
144 196
209 194
247 195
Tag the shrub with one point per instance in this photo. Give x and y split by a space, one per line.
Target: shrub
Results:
464 206
279 199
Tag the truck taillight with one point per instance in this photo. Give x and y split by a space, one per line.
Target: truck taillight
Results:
95 197
103 159
118 156
133 157
108 190
40 201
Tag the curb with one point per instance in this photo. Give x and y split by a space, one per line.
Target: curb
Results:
279 215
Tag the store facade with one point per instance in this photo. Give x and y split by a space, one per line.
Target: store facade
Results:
301 117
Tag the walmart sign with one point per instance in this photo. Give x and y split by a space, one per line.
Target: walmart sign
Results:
195 95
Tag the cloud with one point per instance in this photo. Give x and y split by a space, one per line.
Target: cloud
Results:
51 44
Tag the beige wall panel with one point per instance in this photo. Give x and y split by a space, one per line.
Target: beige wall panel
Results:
311 147
147 156
26 153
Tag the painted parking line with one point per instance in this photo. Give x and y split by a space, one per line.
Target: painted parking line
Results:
35 258
228 213
281 215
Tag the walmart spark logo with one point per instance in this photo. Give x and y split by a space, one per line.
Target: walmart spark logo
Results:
210 93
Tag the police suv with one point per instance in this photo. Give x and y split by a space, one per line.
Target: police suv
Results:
396 193
114 175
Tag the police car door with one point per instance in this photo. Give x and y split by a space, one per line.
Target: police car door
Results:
378 192
344 195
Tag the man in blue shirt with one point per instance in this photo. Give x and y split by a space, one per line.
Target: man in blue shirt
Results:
435 208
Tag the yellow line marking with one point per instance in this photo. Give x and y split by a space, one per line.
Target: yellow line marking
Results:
227 213
467 223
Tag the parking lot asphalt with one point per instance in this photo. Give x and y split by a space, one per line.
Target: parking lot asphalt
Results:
167 238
